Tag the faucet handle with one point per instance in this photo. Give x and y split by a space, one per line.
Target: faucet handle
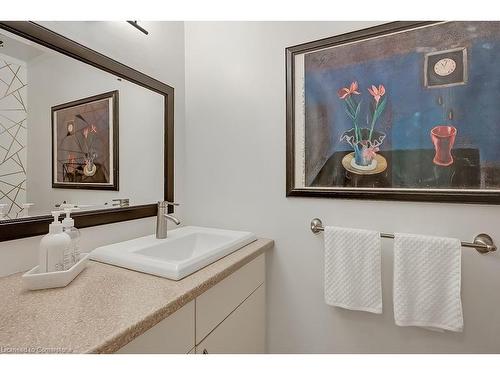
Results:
167 203
172 203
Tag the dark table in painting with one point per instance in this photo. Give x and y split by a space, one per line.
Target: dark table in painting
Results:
407 169
78 176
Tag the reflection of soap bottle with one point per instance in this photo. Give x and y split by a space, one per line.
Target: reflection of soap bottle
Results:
53 247
72 256
3 207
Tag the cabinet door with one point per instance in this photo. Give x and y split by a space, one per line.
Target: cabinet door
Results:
243 331
215 305
174 334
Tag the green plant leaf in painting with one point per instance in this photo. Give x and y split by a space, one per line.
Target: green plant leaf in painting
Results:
350 105
348 111
380 108
358 109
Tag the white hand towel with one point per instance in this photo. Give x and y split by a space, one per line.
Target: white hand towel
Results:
427 274
352 269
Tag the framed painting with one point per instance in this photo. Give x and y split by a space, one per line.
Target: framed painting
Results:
85 143
400 111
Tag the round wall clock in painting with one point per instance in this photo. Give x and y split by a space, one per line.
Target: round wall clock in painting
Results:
401 111
446 68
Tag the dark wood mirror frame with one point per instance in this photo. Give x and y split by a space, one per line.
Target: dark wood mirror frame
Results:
38 225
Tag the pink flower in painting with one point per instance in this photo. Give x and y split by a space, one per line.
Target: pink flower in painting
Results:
93 129
370 152
345 92
86 132
377 92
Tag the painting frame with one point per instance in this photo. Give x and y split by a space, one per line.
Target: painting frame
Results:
394 194
113 102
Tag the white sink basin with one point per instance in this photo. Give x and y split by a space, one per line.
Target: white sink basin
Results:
185 251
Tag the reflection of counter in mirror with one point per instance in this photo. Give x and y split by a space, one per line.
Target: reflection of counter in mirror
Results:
34 79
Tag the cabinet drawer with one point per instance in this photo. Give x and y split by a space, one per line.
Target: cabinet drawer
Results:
213 306
174 334
242 332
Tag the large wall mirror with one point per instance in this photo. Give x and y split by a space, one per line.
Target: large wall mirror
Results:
77 129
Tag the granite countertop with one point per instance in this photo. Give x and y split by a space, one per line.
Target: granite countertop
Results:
104 308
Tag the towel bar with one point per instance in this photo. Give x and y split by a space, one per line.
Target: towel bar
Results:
482 242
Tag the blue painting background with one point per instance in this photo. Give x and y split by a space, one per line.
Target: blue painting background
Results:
412 109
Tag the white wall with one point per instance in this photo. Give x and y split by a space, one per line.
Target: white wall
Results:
56 79
160 55
235 178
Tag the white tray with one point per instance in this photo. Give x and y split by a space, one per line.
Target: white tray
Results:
33 280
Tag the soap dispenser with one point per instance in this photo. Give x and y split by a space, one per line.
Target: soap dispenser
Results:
73 255
53 246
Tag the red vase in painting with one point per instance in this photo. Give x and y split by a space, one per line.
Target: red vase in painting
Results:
443 138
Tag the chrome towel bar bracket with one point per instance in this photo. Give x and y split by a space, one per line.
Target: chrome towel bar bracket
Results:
483 243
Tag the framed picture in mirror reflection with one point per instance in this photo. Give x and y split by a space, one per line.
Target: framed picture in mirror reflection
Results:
85 143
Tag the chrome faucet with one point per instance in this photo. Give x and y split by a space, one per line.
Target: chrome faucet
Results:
161 219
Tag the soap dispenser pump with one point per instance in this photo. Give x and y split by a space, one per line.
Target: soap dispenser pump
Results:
73 255
53 246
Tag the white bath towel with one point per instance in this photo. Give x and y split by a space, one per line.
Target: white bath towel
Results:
352 269
427 274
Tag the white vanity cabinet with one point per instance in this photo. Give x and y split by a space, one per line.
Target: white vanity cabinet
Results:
227 318
173 335
230 317
242 332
